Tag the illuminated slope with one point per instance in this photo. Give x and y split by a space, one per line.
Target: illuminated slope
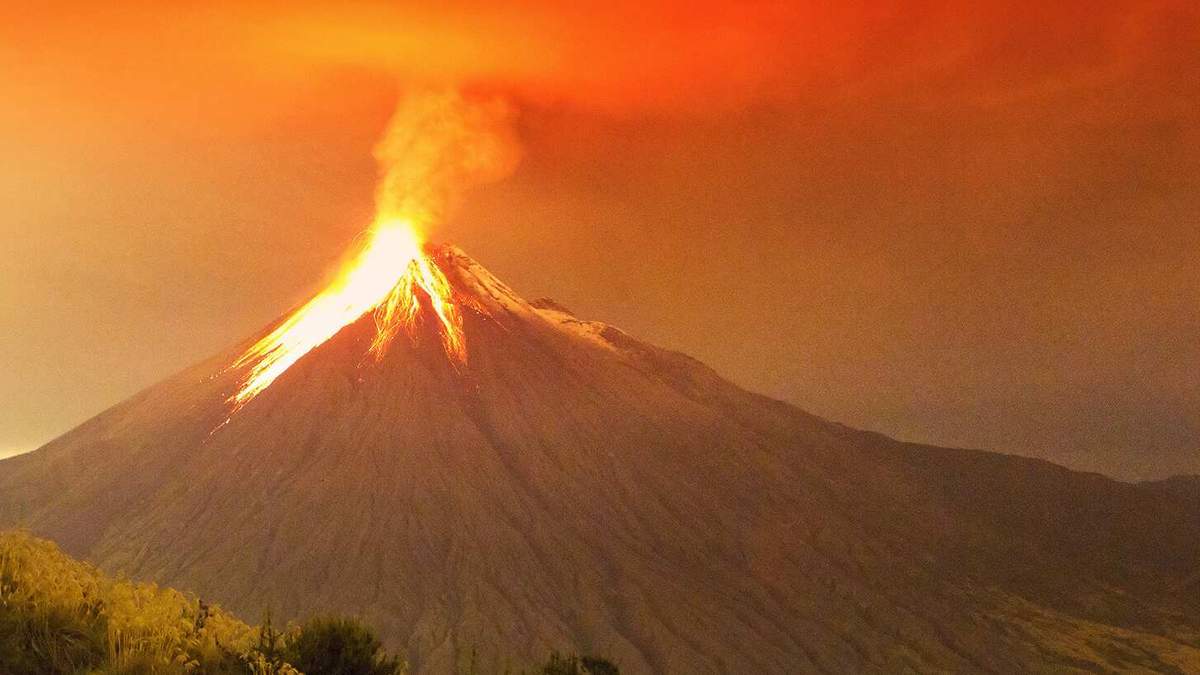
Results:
572 487
390 278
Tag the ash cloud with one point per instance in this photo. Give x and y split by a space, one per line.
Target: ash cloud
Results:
437 145
701 57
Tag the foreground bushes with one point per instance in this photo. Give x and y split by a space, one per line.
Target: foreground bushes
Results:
578 665
338 646
59 616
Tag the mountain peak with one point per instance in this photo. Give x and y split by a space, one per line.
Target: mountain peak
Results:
475 282
480 290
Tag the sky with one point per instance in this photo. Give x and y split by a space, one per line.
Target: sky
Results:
966 224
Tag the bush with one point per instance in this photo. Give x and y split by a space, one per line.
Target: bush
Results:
578 665
338 646
59 615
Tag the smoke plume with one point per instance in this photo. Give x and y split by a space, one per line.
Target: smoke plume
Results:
437 145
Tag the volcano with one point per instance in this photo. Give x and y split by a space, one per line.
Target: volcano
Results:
567 486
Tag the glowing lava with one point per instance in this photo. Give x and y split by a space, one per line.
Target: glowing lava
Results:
437 145
389 277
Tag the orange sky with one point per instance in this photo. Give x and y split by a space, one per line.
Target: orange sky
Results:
959 223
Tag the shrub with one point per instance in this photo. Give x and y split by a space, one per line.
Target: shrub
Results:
339 646
60 616
559 664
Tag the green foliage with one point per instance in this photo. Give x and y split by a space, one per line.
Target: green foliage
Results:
559 664
266 656
339 646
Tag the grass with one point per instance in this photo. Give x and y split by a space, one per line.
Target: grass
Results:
61 616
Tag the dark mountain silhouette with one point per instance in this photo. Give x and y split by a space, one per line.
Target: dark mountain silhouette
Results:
572 487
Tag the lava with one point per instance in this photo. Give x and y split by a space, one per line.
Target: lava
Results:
388 277
437 145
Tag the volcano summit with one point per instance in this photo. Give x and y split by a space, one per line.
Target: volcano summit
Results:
568 486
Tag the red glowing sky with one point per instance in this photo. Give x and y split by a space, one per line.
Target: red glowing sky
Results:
962 223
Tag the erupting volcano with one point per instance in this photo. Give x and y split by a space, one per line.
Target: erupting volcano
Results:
485 477
437 145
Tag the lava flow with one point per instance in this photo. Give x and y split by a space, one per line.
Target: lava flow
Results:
437 145
387 277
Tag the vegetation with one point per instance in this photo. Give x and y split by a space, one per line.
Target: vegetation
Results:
59 616
578 665
339 646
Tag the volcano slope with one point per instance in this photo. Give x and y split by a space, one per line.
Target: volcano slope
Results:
571 487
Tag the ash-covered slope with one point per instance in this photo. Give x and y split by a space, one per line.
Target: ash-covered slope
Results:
572 487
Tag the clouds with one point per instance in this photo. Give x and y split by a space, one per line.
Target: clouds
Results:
692 58
713 55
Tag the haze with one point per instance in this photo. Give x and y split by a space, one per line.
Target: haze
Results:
918 219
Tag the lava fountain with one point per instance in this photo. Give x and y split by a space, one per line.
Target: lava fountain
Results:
437 145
